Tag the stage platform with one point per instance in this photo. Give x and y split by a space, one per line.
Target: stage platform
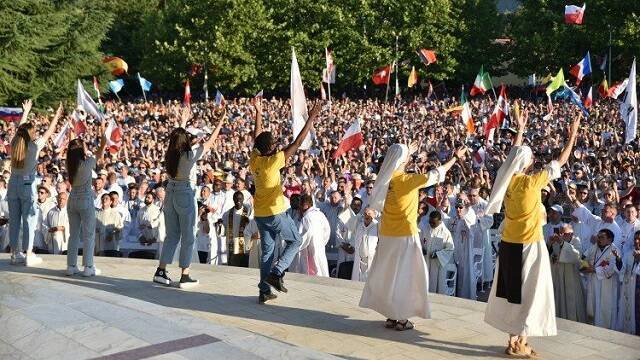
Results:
123 315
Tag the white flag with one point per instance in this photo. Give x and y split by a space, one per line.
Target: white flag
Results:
629 107
85 101
58 141
299 113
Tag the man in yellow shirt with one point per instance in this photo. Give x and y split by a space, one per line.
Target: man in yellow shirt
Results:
269 203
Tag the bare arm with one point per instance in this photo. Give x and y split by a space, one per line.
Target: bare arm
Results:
26 109
522 122
258 128
457 155
293 147
212 139
52 125
103 144
573 133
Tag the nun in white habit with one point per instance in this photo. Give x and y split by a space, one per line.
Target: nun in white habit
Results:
397 284
521 302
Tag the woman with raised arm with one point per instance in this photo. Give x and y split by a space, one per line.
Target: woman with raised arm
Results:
398 281
180 206
21 192
81 210
521 301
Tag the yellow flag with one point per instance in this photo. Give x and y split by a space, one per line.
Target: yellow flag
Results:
413 77
556 83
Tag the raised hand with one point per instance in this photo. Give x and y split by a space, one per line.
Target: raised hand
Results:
26 105
315 111
59 111
460 152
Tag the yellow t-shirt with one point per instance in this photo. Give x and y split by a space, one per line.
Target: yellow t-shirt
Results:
524 212
400 213
268 199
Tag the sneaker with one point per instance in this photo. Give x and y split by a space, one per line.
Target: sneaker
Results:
32 260
161 277
187 282
17 258
277 282
264 297
73 270
91 271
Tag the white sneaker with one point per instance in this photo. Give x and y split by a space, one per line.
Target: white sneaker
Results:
17 258
73 270
91 271
32 260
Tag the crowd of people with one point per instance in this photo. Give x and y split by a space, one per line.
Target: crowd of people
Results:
592 230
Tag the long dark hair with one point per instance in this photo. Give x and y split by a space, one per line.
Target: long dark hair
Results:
179 143
20 144
75 155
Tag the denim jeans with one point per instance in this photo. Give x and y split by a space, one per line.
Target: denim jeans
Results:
82 225
180 214
21 195
270 227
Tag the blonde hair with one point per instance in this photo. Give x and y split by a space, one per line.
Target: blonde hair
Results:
20 145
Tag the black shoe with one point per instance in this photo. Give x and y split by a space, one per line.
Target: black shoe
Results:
161 277
264 297
277 282
187 282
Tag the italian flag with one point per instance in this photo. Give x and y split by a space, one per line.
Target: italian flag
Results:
482 83
466 114
497 116
352 139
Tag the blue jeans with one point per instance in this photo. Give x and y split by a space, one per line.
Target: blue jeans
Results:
180 214
21 195
270 227
82 225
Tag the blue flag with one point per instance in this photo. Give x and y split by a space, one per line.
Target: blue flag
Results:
144 83
567 93
116 85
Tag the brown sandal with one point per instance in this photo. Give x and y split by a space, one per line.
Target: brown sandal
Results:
402 326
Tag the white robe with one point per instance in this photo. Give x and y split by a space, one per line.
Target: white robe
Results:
485 222
253 244
42 210
465 244
109 226
365 239
347 221
315 233
439 247
57 242
628 231
595 224
602 299
630 275
567 284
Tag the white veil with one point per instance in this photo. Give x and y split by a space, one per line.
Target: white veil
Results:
519 158
396 156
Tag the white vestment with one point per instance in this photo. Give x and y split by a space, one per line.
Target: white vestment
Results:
630 276
481 232
595 224
567 285
315 232
628 231
365 240
439 247
346 226
467 251
602 298
109 226
57 242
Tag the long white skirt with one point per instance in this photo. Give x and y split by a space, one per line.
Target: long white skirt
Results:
536 315
397 285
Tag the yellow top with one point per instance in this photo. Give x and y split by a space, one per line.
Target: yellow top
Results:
524 213
400 213
268 199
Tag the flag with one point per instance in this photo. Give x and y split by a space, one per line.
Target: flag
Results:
59 140
113 133
454 109
79 126
397 84
466 114
323 94
430 91
299 113
478 157
187 93
116 85
618 88
195 69
96 86
413 77
629 107
219 98
549 109
531 81
603 64
582 69
481 84
574 14
329 73
428 57
259 95
86 103
10 114
115 65
382 75
497 116
556 82
352 139
603 89
144 83
567 92
588 101
546 79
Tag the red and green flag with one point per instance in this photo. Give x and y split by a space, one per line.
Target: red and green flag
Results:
481 84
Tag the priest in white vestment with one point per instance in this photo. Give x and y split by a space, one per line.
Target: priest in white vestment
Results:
109 226
602 270
56 226
467 249
629 307
565 250
315 232
365 240
148 220
481 232
438 250
596 223
628 227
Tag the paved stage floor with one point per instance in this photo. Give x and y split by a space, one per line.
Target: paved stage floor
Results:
123 315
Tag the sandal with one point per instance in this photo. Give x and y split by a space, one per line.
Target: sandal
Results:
407 325
390 324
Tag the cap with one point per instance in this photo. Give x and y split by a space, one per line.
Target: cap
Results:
572 185
228 178
557 208
103 172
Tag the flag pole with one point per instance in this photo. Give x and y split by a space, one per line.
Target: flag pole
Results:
397 86
493 88
206 86
386 94
609 81
118 97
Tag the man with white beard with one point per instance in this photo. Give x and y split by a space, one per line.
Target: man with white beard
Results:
464 243
565 250
438 248
56 226
602 272
315 232
365 240
481 231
